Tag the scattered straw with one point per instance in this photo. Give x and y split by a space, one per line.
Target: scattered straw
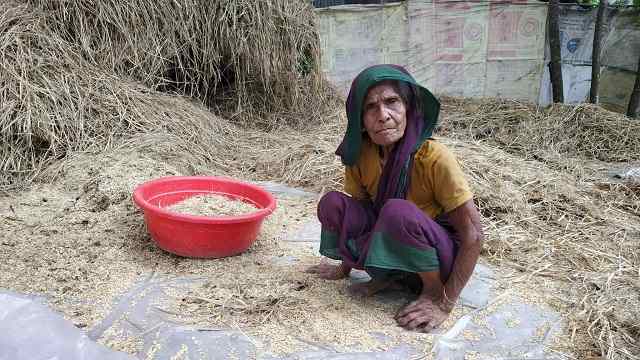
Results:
551 224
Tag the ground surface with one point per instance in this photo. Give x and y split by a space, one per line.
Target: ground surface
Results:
561 234
83 246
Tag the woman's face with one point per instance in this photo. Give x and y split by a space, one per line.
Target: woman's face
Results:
384 114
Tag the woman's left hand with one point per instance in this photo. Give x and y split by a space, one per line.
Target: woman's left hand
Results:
423 314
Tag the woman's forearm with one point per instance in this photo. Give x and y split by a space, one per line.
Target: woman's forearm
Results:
463 266
466 222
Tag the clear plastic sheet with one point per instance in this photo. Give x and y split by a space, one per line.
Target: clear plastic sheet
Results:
31 330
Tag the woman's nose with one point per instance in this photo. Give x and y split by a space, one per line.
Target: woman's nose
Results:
383 114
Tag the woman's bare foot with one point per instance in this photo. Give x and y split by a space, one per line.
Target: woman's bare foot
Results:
373 286
328 271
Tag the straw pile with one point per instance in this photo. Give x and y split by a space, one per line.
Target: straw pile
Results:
85 77
585 131
258 53
553 222
549 224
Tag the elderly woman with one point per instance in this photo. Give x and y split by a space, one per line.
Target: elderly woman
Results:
408 216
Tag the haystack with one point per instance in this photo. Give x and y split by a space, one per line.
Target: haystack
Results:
89 76
585 131
258 53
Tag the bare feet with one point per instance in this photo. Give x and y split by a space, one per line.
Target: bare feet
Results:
328 271
373 286
423 314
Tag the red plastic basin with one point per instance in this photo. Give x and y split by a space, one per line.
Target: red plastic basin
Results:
201 236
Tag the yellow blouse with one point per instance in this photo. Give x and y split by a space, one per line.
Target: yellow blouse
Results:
437 182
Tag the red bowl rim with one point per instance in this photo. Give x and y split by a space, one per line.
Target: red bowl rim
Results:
253 216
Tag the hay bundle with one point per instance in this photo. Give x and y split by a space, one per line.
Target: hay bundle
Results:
261 54
69 71
585 131
55 103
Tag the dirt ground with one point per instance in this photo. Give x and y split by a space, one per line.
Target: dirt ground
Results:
81 242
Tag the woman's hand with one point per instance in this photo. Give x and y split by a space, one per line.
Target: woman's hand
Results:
423 314
328 271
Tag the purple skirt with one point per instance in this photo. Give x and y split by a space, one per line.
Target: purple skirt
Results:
401 238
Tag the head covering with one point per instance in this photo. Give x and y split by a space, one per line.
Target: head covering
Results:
421 120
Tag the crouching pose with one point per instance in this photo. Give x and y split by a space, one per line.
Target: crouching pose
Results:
408 215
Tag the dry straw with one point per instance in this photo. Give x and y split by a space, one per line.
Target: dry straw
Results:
551 221
585 131
260 51
86 75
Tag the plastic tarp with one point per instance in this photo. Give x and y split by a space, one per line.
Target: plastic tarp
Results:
33 331
482 49
461 48
30 330
619 57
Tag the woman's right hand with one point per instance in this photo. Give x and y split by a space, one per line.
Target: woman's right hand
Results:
329 272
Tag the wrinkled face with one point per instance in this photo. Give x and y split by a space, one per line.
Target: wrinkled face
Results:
384 114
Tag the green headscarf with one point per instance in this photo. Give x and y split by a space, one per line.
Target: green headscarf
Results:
422 117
